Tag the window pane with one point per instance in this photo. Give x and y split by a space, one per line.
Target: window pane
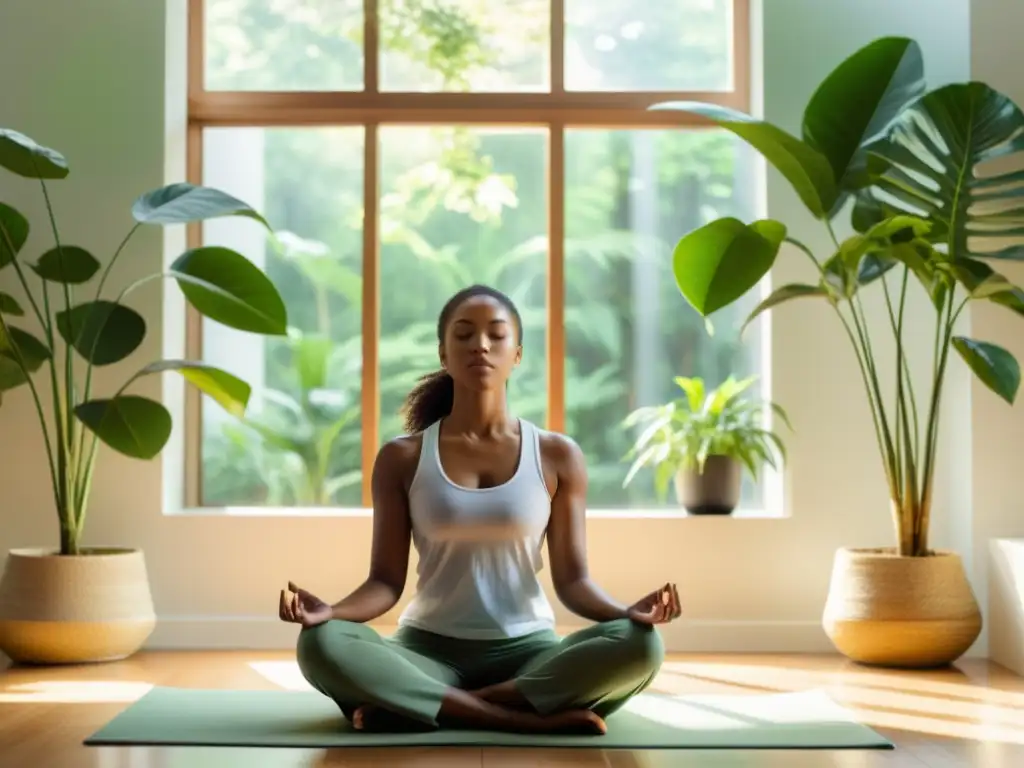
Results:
464 45
305 407
630 196
284 45
459 206
669 45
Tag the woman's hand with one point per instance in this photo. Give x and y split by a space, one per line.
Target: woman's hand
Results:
302 607
659 607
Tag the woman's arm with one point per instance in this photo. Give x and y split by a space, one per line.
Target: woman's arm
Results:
389 558
567 535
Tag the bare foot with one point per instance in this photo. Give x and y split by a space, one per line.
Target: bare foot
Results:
372 718
576 721
462 709
363 718
506 694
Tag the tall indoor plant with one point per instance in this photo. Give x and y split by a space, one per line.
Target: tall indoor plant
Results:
907 158
55 362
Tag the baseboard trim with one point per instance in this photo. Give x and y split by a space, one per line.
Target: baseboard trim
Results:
683 636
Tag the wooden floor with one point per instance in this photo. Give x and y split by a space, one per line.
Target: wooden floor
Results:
971 715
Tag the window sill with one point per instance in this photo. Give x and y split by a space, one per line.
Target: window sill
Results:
637 513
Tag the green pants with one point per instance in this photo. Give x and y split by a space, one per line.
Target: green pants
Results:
598 668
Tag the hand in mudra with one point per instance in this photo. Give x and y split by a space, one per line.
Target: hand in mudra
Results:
302 607
659 607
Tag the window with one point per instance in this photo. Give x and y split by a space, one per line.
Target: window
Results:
403 149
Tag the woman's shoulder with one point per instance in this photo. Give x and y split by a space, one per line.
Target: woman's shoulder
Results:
558 448
399 455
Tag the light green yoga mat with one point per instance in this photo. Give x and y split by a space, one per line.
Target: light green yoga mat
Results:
268 718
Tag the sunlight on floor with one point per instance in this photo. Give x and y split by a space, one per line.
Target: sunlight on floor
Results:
285 674
783 677
937 708
74 692
716 712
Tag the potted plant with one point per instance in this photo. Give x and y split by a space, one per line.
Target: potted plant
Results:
702 442
74 603
922 212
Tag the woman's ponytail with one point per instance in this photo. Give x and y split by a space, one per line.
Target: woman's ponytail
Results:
429 401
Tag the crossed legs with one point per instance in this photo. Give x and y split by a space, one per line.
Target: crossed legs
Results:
567 686
599 668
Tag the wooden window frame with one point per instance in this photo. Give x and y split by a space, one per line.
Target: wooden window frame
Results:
555 110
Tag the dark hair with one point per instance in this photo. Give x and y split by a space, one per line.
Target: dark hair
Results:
432 397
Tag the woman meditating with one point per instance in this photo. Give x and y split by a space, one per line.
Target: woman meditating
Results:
478 491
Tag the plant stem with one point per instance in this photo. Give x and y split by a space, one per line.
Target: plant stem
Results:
869 355
911 456
113 260
47 440
87 459
85 486
895 325
69 384
909 509
871 402
55 453
874 389
21 277
931 441
63 511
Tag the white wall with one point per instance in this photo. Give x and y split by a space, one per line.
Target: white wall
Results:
747 584
997 431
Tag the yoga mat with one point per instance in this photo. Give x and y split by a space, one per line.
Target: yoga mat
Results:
269 718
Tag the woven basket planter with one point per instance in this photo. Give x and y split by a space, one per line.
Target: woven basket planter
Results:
907 612
91 607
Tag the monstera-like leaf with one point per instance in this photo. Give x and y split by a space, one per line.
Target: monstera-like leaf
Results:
927 165
850 108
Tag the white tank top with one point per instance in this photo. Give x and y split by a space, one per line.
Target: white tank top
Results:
480 549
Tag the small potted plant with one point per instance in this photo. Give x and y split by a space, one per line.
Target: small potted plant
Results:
702 442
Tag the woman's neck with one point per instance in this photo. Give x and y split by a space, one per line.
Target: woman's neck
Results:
478 413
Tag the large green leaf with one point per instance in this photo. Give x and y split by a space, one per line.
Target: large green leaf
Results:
226 389
806 169
229 289
997 368
718 263
186 203
841 269
10 306
21 355
103 332
874 266
984 283
11 374
783 294
857 101
13 234
889 235
68 264
927 164
23 348
21 155
863 258
132 425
